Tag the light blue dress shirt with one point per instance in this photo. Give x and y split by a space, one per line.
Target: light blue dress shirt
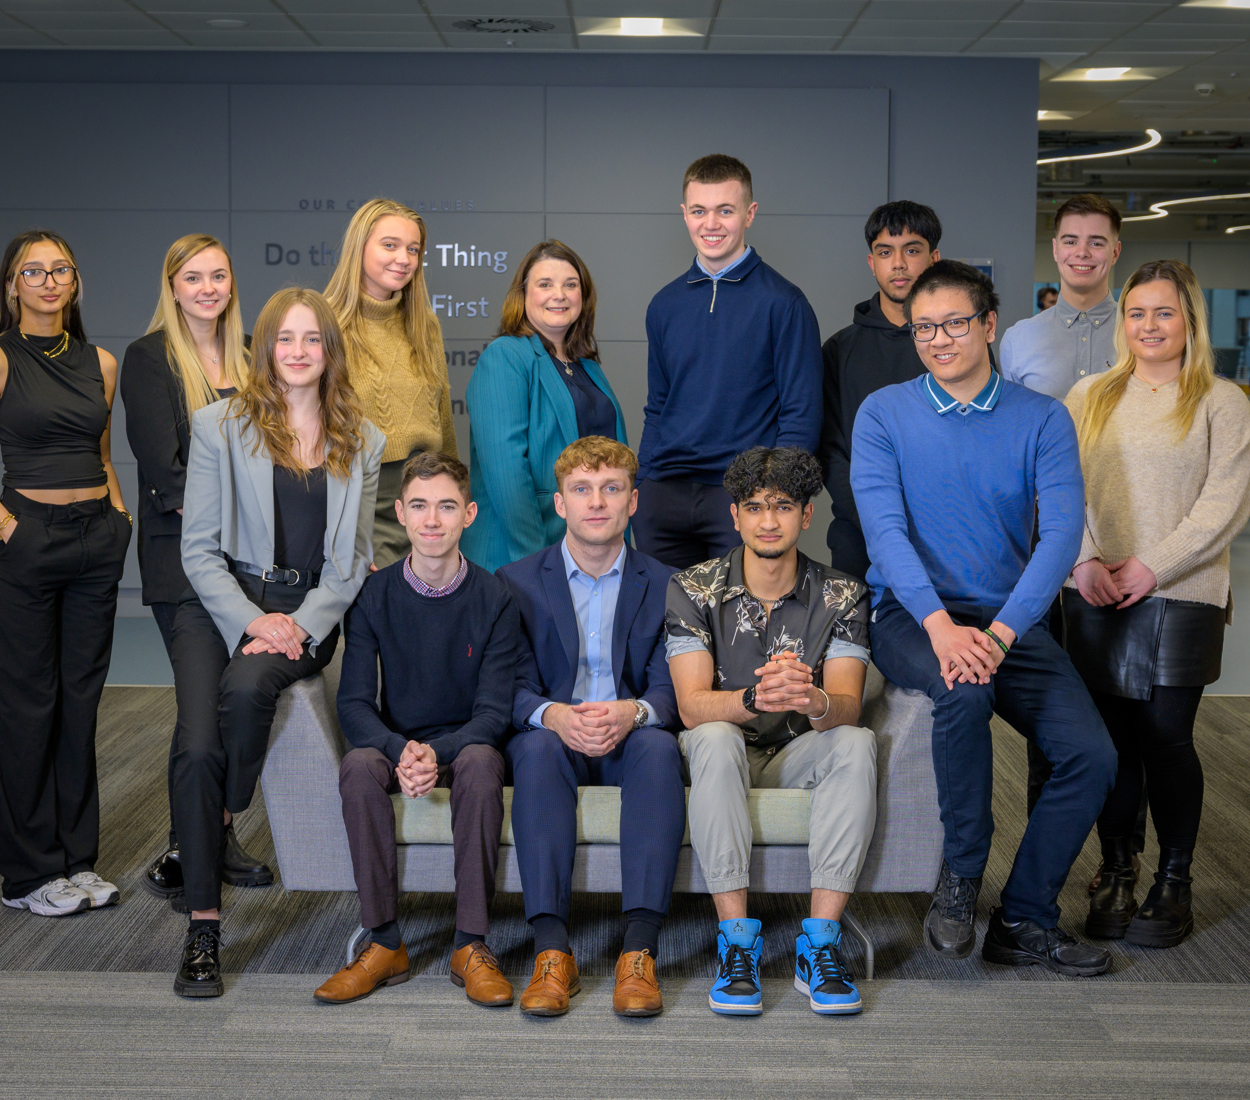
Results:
594 605
714 275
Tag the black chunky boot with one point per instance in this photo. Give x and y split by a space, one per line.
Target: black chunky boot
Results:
1166 916
1113 905
239 867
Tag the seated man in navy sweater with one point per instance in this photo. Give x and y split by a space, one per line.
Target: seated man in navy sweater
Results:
594 705
946 471
447 634
733 362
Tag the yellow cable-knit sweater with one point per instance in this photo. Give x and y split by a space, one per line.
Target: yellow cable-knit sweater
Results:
412 409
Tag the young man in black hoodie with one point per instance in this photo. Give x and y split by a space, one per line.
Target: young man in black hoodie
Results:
876 350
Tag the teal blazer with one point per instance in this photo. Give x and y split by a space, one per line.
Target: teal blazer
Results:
520 418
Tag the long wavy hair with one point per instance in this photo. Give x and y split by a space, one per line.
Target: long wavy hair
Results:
345 290
1197 368
579 341
180 349
14 257
260 404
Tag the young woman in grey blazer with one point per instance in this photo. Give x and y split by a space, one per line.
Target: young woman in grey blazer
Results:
276 542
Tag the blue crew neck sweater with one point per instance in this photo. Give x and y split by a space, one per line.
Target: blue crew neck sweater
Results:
448 665
947 501
732 363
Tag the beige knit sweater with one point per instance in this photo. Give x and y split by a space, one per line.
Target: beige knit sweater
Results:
1176 506
412 410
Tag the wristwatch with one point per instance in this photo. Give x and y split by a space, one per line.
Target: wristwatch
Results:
748 700
641 717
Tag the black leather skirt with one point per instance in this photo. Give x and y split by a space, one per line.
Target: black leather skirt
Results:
1172 643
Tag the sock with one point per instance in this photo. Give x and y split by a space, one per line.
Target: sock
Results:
550 934
642 931
387 935
196 925
463 939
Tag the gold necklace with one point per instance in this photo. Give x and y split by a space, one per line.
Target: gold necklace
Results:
61 347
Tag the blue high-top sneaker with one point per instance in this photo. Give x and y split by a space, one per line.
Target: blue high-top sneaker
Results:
820 971
736 991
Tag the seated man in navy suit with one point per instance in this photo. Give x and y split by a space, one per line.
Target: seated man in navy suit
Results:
594 705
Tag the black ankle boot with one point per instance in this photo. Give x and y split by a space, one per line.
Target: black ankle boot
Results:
1166 917
1113 905
239 867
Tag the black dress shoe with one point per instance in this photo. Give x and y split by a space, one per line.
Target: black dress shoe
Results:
240 868
948 924
1113 905
164 875
1166 916
200 973
1027 943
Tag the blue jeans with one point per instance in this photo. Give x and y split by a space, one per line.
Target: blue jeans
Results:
1038 692
546 773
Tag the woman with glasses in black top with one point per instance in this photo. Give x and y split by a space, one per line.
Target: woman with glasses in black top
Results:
65 531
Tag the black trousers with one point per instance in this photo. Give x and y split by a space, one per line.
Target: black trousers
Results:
226 704
682 523
164 614
59 573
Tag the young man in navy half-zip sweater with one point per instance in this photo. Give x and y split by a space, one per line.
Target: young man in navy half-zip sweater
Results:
874 351
447 635
733 362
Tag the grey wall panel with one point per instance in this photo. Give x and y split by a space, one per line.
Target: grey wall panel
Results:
625 364
810 151
420 145
115 146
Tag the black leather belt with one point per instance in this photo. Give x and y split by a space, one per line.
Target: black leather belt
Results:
292 578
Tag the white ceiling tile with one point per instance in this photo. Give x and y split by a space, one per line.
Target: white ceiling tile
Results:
379 40
787 9
939 9
347 7
1020 28
232 7
181 21
87 20
471 41
916 28
17 37
902 45
469 9
783 28
743 43
248 39
1087 11
318 24
153 39
1036 47
665 9
20 7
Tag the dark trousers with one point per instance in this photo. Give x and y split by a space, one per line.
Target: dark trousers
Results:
1155 740
366 783
164 614
546 773
58 597
1037 690
682 523
226 705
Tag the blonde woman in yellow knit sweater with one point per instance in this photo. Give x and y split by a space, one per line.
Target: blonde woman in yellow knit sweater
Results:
394 350
1165 449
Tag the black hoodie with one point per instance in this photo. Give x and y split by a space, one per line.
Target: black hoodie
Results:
865 356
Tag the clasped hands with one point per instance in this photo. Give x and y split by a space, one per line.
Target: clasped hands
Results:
593 729
417 770
786 684
966 654
1122 583
276 633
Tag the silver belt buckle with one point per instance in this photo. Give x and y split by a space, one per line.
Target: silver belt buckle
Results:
292 573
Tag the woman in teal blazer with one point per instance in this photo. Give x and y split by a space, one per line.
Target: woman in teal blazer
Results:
535 389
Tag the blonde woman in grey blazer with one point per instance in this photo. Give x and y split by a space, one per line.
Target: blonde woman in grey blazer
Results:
276 542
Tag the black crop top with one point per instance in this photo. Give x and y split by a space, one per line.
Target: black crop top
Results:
52 414
299 519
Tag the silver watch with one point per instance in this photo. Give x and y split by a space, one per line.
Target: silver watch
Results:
641 717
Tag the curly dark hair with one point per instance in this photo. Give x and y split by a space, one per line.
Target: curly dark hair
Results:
789 470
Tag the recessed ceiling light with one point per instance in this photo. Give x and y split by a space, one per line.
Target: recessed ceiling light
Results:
1236 228
642 28
1105 74
1216 4
630 27
1154 138
227 24
1161 211
1052 115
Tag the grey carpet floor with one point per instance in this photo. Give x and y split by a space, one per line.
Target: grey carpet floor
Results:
268 931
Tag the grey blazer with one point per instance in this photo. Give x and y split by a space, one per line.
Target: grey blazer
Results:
228 510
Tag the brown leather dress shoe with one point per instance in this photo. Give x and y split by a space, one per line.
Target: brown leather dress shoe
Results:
555 980
637 992
475 968
375 966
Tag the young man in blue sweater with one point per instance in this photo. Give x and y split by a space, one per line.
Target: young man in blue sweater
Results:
447 635
947 470
733 362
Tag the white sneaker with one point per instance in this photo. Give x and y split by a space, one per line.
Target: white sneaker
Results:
101 893
57 898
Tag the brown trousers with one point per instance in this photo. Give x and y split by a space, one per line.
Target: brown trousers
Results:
367 781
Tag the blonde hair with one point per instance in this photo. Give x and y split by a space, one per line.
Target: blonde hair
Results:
260 402
345 289
594 452
1197 368
180 350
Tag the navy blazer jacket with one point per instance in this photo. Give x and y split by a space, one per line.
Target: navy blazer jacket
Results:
547 668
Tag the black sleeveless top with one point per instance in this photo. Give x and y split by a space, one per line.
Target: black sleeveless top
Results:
299 519
52 414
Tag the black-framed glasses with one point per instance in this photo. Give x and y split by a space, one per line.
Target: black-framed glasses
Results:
62 275
954 328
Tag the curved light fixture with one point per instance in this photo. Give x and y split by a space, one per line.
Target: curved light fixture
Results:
1235 228
1161 212
1154 138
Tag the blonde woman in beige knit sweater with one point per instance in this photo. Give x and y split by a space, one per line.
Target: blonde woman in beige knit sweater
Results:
1165 449
394 350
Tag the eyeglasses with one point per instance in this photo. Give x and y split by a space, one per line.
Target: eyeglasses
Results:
954 328
36 276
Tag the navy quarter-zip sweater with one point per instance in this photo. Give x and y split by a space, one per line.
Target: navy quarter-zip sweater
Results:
732 363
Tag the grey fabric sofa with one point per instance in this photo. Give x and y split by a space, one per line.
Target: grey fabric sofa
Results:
300 784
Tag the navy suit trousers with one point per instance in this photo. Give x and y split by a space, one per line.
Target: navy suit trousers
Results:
1039 693
546 773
